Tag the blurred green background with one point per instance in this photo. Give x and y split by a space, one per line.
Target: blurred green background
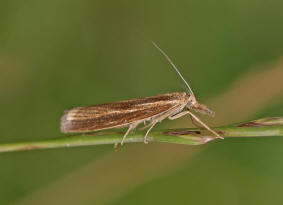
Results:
59 54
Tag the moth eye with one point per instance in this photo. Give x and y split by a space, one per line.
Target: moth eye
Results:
189 104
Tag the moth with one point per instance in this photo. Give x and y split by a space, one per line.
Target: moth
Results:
131 113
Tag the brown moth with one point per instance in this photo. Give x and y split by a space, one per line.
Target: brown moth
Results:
130 113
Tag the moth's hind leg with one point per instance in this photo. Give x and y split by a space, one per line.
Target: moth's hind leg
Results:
152 123
131 127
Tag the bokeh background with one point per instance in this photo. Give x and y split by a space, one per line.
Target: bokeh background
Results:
59 54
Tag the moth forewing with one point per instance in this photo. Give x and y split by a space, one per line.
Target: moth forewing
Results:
127 113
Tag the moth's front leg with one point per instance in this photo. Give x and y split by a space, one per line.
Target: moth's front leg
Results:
178 115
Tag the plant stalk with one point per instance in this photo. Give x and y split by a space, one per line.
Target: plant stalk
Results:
266 127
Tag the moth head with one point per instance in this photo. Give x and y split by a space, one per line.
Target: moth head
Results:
196 106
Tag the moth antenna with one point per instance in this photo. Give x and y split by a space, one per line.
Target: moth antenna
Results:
173 65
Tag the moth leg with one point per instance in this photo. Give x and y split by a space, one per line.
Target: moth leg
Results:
178 115
131 127
144 138
197 119
155 120
205 126
195 124
145 126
